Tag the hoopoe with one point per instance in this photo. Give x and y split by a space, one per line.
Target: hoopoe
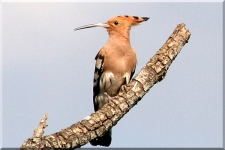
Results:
115 64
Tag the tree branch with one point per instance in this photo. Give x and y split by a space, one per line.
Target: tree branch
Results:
101 121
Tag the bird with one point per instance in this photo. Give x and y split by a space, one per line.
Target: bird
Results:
115 64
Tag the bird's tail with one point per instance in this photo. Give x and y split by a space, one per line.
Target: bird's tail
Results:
105 140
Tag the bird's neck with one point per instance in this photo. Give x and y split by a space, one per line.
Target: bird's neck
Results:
119 38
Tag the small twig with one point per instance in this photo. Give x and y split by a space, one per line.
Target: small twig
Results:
39 131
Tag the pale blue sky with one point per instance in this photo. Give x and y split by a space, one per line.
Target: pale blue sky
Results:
48 68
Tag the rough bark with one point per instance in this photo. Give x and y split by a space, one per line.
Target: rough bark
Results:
99 122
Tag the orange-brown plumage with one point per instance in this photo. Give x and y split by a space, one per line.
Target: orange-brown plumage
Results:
115 63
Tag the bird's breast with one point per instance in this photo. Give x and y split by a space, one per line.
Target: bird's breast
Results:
120 64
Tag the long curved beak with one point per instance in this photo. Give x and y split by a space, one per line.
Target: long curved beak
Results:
105 25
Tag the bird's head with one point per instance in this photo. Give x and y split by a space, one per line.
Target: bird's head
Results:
119 24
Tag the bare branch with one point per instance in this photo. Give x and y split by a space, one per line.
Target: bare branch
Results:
99 122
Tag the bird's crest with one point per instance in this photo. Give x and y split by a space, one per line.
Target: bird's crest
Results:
132 20
123 24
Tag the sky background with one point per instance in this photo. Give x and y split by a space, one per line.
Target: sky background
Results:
48 68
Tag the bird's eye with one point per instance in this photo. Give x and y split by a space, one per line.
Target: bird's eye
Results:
116 23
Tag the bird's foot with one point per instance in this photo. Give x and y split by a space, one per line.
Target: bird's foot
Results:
123 88
109 97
